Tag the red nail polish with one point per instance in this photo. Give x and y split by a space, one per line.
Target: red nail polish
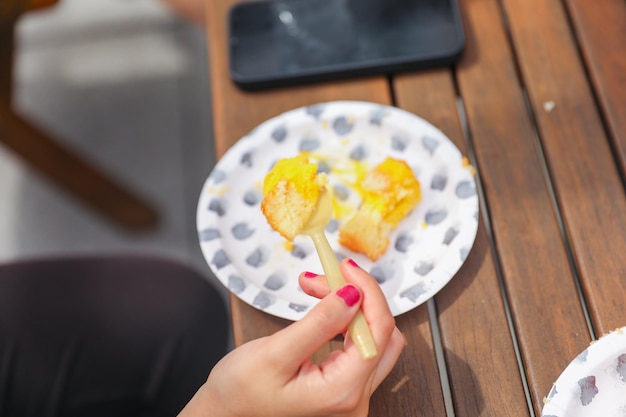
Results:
308 274
349 294
354 264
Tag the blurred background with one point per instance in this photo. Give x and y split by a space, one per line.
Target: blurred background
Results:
125 84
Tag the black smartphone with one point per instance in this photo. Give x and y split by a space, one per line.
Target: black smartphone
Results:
284 42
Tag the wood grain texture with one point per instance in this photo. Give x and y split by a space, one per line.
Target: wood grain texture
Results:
588 187
533 259
476 337
413 387
601 29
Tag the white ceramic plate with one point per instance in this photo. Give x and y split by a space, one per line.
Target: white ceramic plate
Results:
593 384
427 248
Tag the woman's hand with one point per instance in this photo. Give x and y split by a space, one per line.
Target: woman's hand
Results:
274 376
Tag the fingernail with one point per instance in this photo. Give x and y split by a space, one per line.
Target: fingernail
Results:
349 294
308 274
354 264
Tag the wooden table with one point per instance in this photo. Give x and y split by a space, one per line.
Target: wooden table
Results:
538 103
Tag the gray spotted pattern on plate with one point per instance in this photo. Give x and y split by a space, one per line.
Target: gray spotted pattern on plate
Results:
425 250
594 383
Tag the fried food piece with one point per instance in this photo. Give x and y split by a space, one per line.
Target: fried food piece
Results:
291 190
390 192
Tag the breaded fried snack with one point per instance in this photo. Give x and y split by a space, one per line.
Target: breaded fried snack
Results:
390 192
291 190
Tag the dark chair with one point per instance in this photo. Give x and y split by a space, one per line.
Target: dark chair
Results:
106 336
46 155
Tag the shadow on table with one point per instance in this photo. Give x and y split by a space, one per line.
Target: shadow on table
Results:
473 267
414 385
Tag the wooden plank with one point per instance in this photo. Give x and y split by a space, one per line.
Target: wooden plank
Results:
534 262
587 182
601 29
412 388
472 315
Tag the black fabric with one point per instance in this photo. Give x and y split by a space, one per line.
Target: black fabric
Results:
109 336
